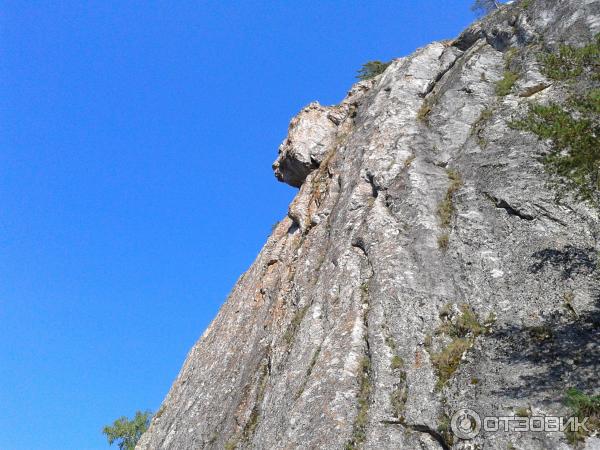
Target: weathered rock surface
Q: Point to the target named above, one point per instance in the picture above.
(327, 341)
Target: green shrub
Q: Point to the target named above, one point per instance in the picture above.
(397, 362)
(583, 406)
(398, 398)
(372, 69)
(443, 241)
(445, 430)
(446, 206)
(523, 412)
(481, 7)
(477, 127)
(463, 330)
(570, 62)
(231, 445)
(465, 324)
(447, 361)
(127, 432)
(446, 311)
(424, 111)
(428, 342)
(575, 135)
(541, 333)
(573, 127)
(509, 56)
(504, 86)
(390, 342)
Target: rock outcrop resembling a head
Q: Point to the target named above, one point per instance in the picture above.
(311, 134)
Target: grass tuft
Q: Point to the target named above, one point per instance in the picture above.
(463, 330)
(505, 85)
(359, 433)
(582, 406)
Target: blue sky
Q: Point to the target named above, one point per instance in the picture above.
(136, 139)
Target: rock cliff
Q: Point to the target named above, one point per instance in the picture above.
(426, 264)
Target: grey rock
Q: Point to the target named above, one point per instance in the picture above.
(327, 340)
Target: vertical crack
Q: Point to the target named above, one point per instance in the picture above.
(359, 431)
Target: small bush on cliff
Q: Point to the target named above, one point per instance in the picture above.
(372, 69)
(570, 62)
(575, 134)
(446, 206)
(484, 6)
(504, 86)
(583, 406)
(573, 126)
(127, 432)
(463, 329)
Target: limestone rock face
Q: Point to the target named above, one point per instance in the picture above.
(343, 333)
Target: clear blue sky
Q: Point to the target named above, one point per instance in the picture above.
(136, 139)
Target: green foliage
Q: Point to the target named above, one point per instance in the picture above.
(424, 111)
(443, 241)
(445, 430)
(398, 399)
(446, 311)
(541, 333)
(390, 342)
(583, 406)
(372, 69)
(465, 324)
(230, 445)
(360, 423)
(477, 128)
(525, 4)
(484, 6)
(573, 127)
(575, 135)
(447, 361)
(309, 370)
(364, 287)
(446, 206)
(509, 56)
(463, 330)
(485, 115)
(397, 362)
(505, 85)
(571, 62)
(127, 432)
(428, 341)
(254, 418)
(291, 331)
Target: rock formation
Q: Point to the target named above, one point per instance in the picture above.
(425, 265)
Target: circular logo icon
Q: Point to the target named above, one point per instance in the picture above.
(465, 424)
